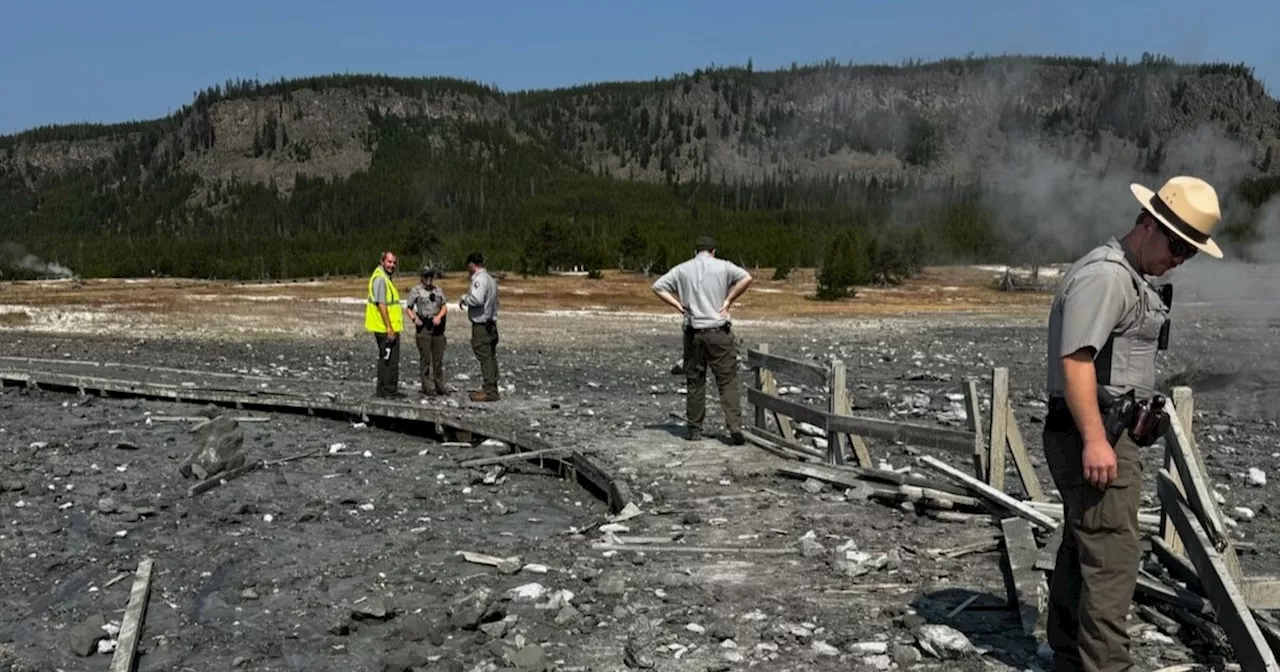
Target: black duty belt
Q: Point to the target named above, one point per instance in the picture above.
(699, 330)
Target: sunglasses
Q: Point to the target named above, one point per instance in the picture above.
(1177, 246)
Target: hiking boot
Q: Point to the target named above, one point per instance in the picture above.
(484, 396)
(737, 438)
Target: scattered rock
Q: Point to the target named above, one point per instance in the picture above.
(904, 655)
(371, 609)
(404, 660)
(943, 641)
(219, 444)
(83, 639)
(470, 610)
(530, 657)
(823, 649)
(1257, 477)
(813, 485)
(611, 583)
(529, 592)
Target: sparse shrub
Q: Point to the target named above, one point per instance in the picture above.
(845, 265)
(782, 272)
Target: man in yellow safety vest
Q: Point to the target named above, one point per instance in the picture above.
(385, 324)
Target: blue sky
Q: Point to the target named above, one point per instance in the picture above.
(82, 60)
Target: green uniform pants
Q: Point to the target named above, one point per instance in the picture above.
(388, 367)
(1096, 570)
(484, 343)
(714, 349)
(431, 360)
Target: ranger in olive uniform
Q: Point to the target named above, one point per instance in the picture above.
(426, 307)
(481, 304)
(703, 289)
(382, 318)
(1106, 324)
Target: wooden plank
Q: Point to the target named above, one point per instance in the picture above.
(799, 371)
(1021, 459)
(769, 386)
(918, 490)
(886, 476)
(1049, 554)
(791, 409)
(761, 374)
(1027, 589)
(1251, 649)
(1183, 405)
(999, 419)
(837, 442)
(1152, 588)
(134, 617)
(780, 446)
(218, 479)
(859, 444)
(835, 402)
(364, 408)
(1195, 484)
(924, 436)
(990, 493)
(1261, 592)
(978, 441)
(1178, 566)
(646, 548)
(514, 457)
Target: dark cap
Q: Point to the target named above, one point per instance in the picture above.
(705, 243)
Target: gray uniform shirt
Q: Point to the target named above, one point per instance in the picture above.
(482, 298)
(701, 283)
(425, 302)
(380, 288)
(1105, 304)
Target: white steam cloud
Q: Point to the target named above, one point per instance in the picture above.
(15, 257)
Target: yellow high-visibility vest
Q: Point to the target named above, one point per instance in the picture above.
(372, 318)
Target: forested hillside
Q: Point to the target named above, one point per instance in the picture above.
(998, 159)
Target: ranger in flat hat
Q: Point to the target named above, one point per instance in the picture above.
(1106, 324)
(703, 289)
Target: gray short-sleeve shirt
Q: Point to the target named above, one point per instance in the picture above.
(701, 283)
(1096, 300)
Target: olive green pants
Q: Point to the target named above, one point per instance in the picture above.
(714, 349)
(1096, 570)
(484, 343)
(431, 360)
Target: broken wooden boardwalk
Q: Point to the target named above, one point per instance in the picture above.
(334, 399)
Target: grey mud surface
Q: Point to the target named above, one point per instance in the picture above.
(234, 591)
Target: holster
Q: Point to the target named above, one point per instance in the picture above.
(1146, 420)
(1117, 413)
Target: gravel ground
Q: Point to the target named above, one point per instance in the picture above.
(233, 589)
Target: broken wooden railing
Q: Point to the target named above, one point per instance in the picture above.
(845, 434)
(1190, 540)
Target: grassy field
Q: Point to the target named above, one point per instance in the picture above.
(938, 289)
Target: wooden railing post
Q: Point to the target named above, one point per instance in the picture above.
(999, 420)
(973, 411)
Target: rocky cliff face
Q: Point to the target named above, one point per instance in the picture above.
(953, 121)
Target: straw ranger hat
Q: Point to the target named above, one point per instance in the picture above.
(1188, 206)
